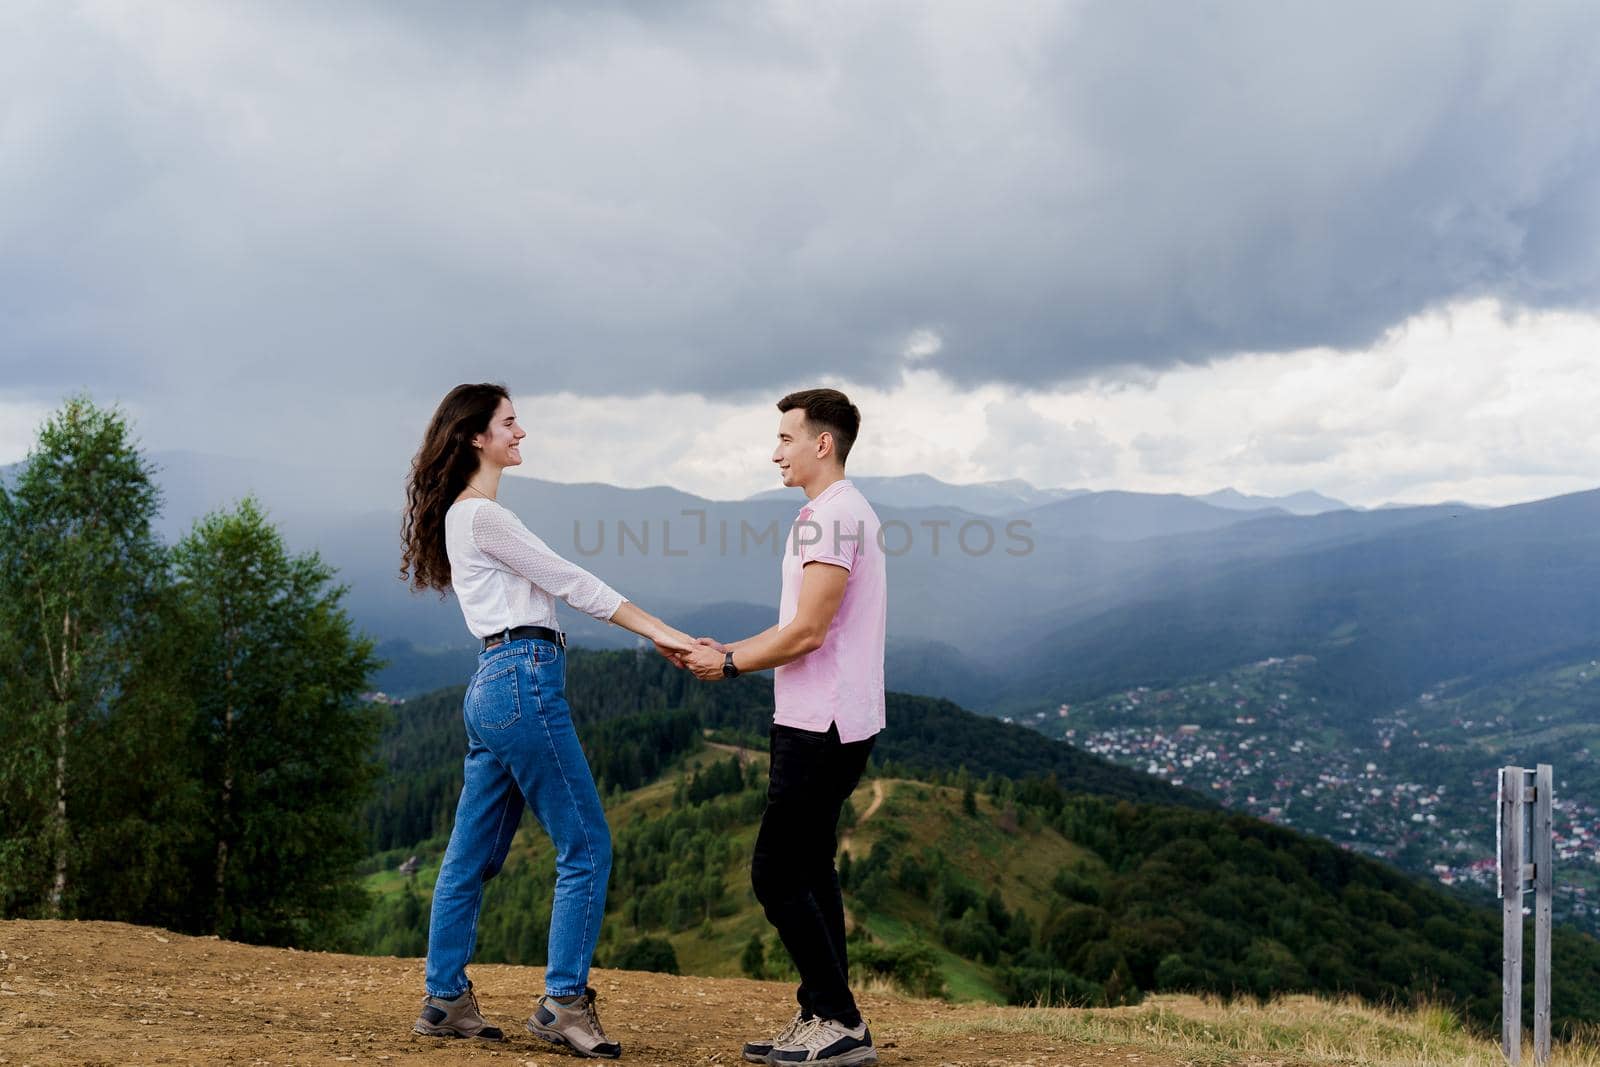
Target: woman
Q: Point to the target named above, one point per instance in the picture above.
(520, 742)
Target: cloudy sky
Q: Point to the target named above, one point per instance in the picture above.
(1349, 247)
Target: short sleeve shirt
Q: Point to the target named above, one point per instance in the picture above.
(840, 683)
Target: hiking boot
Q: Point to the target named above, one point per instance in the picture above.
(574, 1025)
(826, 1042)
(756, 1051)
(455, 1018)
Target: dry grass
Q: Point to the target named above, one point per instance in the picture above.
(1302, 1031)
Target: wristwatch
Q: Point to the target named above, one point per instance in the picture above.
(728, 669)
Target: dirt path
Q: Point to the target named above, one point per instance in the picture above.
(877, 800)
(847, 842)
(106, 993)
(878, 793)
(735, 750)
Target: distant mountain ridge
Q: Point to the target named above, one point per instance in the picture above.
(684, 556)
(1014, 496)
(1094, 591)
(924, 490)
(1386, 615)
(1118, 516)
(1302, 503)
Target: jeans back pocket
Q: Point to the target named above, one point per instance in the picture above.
(496, 700)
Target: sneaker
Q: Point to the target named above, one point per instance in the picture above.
(574, 1025)
(756, 1051)
(826, 1041)
(455, 1018)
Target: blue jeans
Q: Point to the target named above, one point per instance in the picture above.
(521, 746)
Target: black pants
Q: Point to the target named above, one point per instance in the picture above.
(792, 871)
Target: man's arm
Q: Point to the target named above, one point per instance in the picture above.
(763, 635)
(821, 593)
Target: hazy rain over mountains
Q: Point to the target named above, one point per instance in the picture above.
(283, 231)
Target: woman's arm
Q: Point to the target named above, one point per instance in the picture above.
(668, 639)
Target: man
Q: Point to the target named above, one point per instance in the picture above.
(827, 649)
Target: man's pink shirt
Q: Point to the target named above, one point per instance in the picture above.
(841, 682)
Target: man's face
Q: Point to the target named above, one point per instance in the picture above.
(498, 444)
(796, 454)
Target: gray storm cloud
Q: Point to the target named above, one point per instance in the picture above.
(197, 200)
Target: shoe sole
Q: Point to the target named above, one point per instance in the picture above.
(751, 1057)
(853, 1058)
(556, 1039)
(437, 1031)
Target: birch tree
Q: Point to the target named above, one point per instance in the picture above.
(80, 569)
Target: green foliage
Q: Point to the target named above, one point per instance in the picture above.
(971, 937)
(515, 926)
(423, 744)
(1049, 987)
(1073, 886)
(671, 871)
(1229, 905)
(1157, 896)
(847, 816)
(647, 954)
(928, 735)
(780, 965)
(81, 578)
(870, 880)
(421, 747)
(285, 743)
(627, 754)
(669, 875)
(912, 965)
(913, 877)
(955, 895)
(396, 927)
(718, 780)
(636, 715)
(185, 743)
(1177, 974)
(753, 961)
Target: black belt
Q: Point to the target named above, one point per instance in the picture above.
(525, 633)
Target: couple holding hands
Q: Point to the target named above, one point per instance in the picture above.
(826, 651)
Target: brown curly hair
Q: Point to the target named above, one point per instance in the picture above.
(439, 472)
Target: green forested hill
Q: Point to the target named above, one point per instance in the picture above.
(423, 743)
(1410, 783)
(979, 875)
(1020, 893)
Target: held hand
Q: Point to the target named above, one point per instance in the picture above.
(711, 642)
(672, 644)
(704, 662)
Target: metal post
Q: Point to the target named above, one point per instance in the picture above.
(1544, 891)
(1511, 909)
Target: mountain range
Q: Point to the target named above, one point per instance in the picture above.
(1064, 595)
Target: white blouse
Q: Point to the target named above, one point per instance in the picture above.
(504, 575)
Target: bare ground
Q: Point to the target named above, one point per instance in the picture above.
(108, 993)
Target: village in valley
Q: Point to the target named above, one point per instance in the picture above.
(1414, 786)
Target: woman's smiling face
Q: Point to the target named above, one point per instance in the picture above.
(499, 444)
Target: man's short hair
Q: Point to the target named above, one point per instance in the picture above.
(827, 409)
